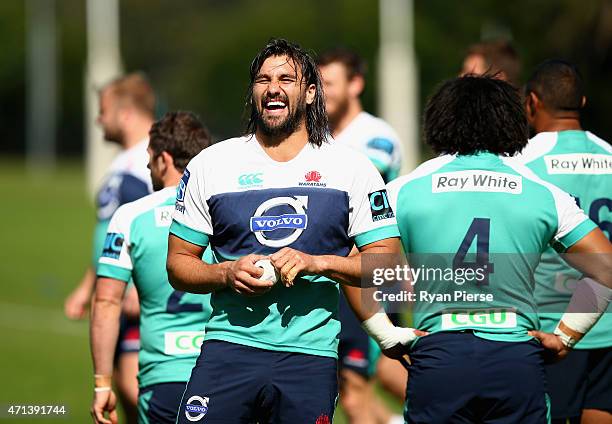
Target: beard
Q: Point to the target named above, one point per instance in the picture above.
(113, 135)
(157, 183)
(341, 110)
(287, 125)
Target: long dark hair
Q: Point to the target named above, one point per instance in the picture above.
(316, 118)
(474, 114)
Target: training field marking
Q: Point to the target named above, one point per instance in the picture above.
(16, 316)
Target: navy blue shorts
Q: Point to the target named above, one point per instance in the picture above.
(129, 336)
(583, 380)
(233, 383)
(356, 351)
(456, 377)
(159, 403)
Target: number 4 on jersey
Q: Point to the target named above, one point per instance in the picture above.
(479, 230)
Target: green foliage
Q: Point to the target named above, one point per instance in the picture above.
(197, 52)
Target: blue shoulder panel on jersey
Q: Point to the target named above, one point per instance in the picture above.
(132, 188)
(188, 234)
(377, 234)
(383, 144)
(574, 236)
(114, 272)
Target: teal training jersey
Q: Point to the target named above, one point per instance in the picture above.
(581, 164)
(237, 200)
(171, 322)
(474, 227)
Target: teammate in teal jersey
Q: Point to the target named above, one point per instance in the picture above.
(343, 75)
(126, 113)
(580, 163)
(482, 219)
(171, 322)
(286, 194)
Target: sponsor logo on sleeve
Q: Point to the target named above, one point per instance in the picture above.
(196, 407)
(264, 225)
(379, 205)
(383, 144)
(180, 192)
(579, 163)
(112, 245)
(476, 181)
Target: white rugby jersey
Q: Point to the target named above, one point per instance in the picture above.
(377, 140)
(126, 180)
(234, 197)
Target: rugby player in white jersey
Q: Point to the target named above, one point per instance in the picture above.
(343, 74)
(284, 193)
(127, 106)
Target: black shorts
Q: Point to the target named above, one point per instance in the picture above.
(159, 403)
(583, 380)
(233, 383)
(457, 377)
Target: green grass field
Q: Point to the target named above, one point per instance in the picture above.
(45, 248)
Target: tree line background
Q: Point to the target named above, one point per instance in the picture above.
(197, 52)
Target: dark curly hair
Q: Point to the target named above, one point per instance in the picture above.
(316, 119)
(181, 134)
(472, 114)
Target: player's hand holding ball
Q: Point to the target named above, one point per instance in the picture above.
(244, 276)
(291, 262)
(269, 272)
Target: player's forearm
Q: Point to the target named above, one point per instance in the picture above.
(361, 301)
(592, 255)
(88, 281)
(104, 332)
(588, 303)
(348, 270)
(344, 270)
(189, 274)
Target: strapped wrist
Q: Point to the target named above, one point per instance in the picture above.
(102, 381)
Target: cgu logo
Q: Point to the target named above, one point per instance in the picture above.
(490, 318)
(269, 223)
(314, 176)
(183, 342)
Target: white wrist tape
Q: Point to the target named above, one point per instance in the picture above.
(102, 389)
(589, 301)
(385, 333)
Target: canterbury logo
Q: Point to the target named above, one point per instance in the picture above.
(250, 179)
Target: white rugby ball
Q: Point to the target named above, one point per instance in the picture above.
(269, 272)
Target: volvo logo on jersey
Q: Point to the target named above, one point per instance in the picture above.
(280, 221)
